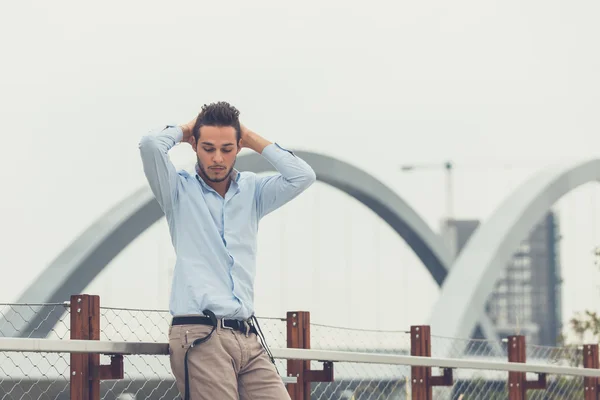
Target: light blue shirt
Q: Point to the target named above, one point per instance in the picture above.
(215, 238)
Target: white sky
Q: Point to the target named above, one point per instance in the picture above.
(376, 84)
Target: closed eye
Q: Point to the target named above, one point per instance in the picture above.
(211, 149)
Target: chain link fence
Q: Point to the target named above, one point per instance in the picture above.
(492, 385)
(34, 375)
(358, 381)
(145, 376)
(470, 384)
(39, 375)
(27, 320)
(558, 387)
(467, 348)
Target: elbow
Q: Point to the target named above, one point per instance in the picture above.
(302, 181)
(151, 146)
(147, 148)
(146, 142)
(311, 177)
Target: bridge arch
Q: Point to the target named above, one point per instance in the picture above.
(93, 250)
(478, 267)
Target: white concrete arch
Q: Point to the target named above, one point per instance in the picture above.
(478, 267)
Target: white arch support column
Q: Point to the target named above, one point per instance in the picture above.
(481, 262)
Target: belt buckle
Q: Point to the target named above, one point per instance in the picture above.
(223, 324)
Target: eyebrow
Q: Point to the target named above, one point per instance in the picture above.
(212, 145)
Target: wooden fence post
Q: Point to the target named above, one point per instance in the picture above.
(422, 382)
(86, 371)
(517, 381)
(82, 309)
(298, 337)
(590, 360)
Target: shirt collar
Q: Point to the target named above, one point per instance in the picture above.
(235, 175)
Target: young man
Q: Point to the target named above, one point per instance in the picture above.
(213, 216)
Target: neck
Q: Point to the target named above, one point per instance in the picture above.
(219, 187)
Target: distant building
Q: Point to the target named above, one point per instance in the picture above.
(527, 297)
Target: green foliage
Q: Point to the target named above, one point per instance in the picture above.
(587, 325)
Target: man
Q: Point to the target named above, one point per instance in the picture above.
(213, 216)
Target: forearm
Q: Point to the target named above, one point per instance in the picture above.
(295, 176)
(160, 141)
(293, 170)
(254, 141)
(186, 131)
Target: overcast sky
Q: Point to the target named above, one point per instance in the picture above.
(376, 84)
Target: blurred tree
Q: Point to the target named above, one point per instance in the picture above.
(586, 325)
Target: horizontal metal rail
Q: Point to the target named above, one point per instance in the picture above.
(151, 348)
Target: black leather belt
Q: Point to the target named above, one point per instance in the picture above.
(234, 324)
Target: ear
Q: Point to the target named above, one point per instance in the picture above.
(193, 143)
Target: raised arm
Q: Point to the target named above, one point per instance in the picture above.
(294, 177)
(158, 168)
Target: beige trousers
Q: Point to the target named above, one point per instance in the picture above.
(229, 366)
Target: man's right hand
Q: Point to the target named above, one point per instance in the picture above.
(187, 129)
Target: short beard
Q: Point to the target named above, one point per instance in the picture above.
(207, 177)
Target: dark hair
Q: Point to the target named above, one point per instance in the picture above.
(218, 114)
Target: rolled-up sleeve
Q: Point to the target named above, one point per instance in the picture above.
(294, 177)
(158, 168)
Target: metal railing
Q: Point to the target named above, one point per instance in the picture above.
(46, 347)
(317, 361)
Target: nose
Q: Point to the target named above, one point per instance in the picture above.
(218, 157)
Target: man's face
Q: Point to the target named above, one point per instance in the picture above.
(217, 151)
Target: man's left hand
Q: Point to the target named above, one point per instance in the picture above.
(252, 140)
(244, 136)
